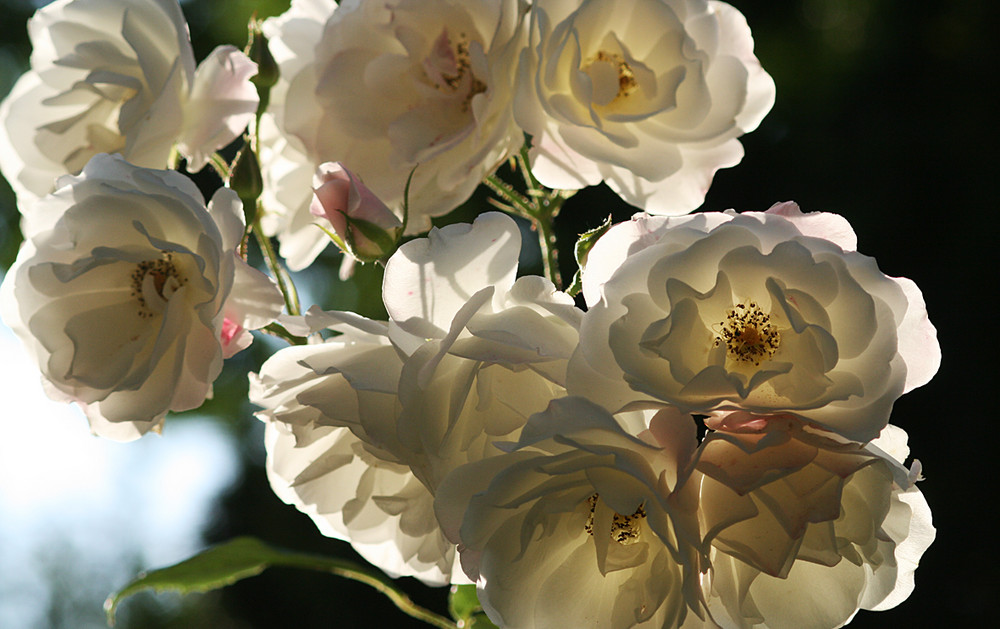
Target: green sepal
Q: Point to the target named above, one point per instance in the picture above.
(581, 250)
(384, 241)
(464, 607)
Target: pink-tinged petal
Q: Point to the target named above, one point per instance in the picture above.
(366, 227)
(825, 225)
(430, 279)
(221, 104)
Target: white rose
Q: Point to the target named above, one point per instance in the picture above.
(134, 296)
(467, 355)
(382, 87)
(321, 460)
(576, 526)
(648, 96)
(118, 76)
(804, 530)
(768, 312)
(496, 349)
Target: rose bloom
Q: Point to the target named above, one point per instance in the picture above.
(576, 526)
(321, 460)
(767, 312)
(134, 296)
(648, 96)
(382, 87)
(362, 427)
(118, 76)
(493, 350)
(803, 529)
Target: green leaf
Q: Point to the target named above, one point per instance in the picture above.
(244, 557)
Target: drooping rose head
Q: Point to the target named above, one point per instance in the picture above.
(364, 224)
(316, 404)
(385, 86)
(118, 76)
(802, 529)
(134, 296)
(768, 313)
(648, 96)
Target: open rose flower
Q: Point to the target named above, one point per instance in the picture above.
(134, 296)
(118, 76)
(362, 428)
(648, 96)
(766, 312)
(575, 525)
(367, 229)
(495, 348)
(321, 459)
(803, 530)
(382, 87)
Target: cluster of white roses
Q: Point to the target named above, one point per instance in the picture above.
(557, 450)
(707, 444)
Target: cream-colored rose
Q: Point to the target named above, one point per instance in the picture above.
(767, 312)
(380, 414)
(382, 87)
(802, 529)
(134, 296)
(496, 348)
(321, 459)
(118, 76)
(575, 526)
(648, 96)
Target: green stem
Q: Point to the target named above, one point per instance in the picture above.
(540, 206)
(547, 242)
(220, 165)
(285, 284)
(521, 205)
(524, 162)
(398, 598)
(546, 206)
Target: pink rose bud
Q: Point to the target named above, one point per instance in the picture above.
(364, 226)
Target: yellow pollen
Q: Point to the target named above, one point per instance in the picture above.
(624, 528)
(161, 270)
(626, 77)
(748, 334)
(448, 67)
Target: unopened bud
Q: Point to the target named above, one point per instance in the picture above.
(367, 228)
(245, 179)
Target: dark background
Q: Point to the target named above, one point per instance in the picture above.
(886, 113)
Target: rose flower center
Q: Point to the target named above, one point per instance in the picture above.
(748, 334)
(624, 528)
(448, 69)
(153, 282)
(612, 77)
